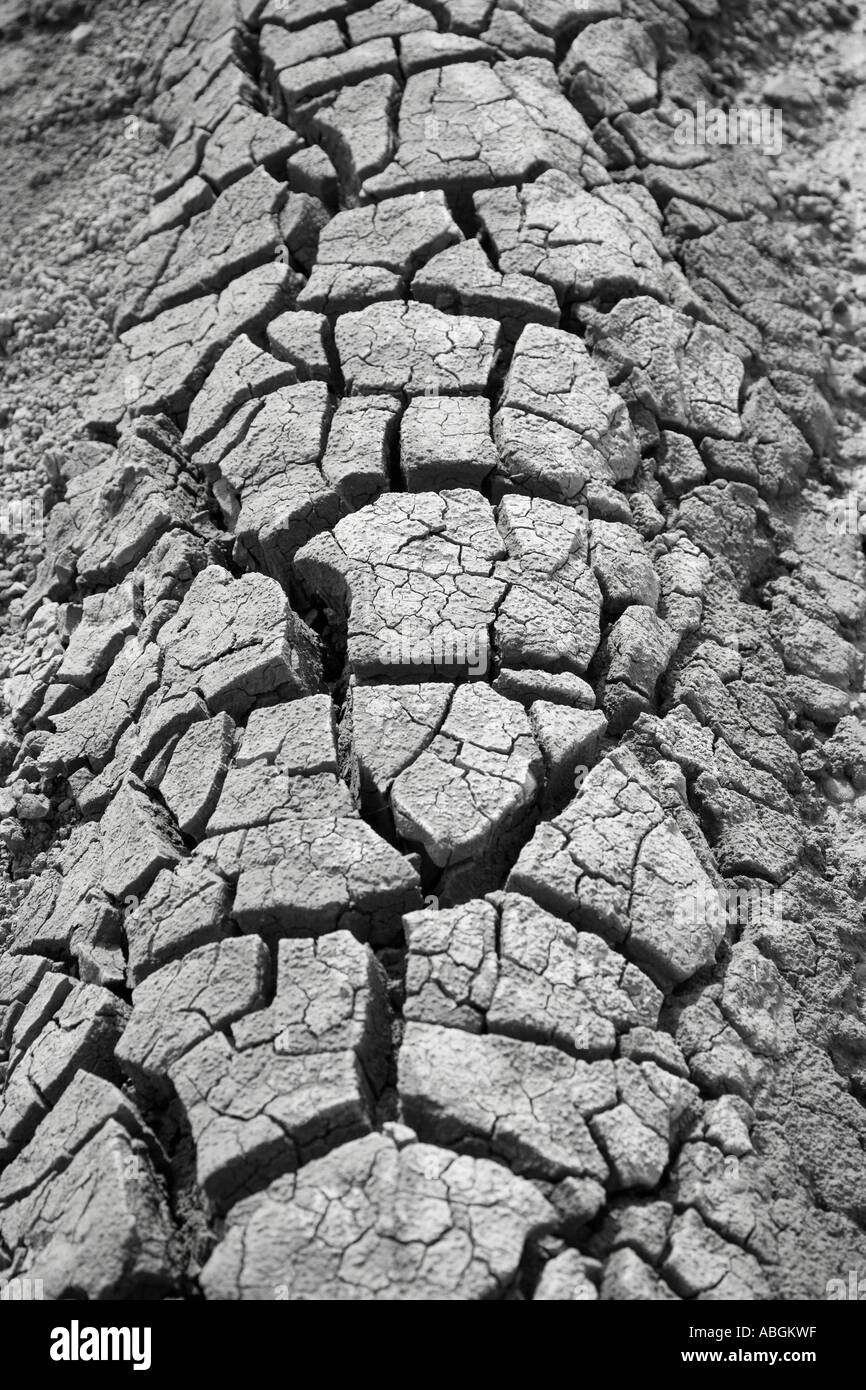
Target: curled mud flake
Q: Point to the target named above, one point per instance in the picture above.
(460, 1229)
(504, 965)
(416, 349)
(414, 579)
(529, 1105)
(445, 443)
(292, 1081)
(613, 862)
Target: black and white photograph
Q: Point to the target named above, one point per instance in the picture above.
(432, 670)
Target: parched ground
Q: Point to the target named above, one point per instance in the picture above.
(444, 655)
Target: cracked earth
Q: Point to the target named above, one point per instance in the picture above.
(443, 655)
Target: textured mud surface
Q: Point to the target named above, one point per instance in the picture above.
(433, 743)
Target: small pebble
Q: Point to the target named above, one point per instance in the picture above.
(80, 37)
(33, 806)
